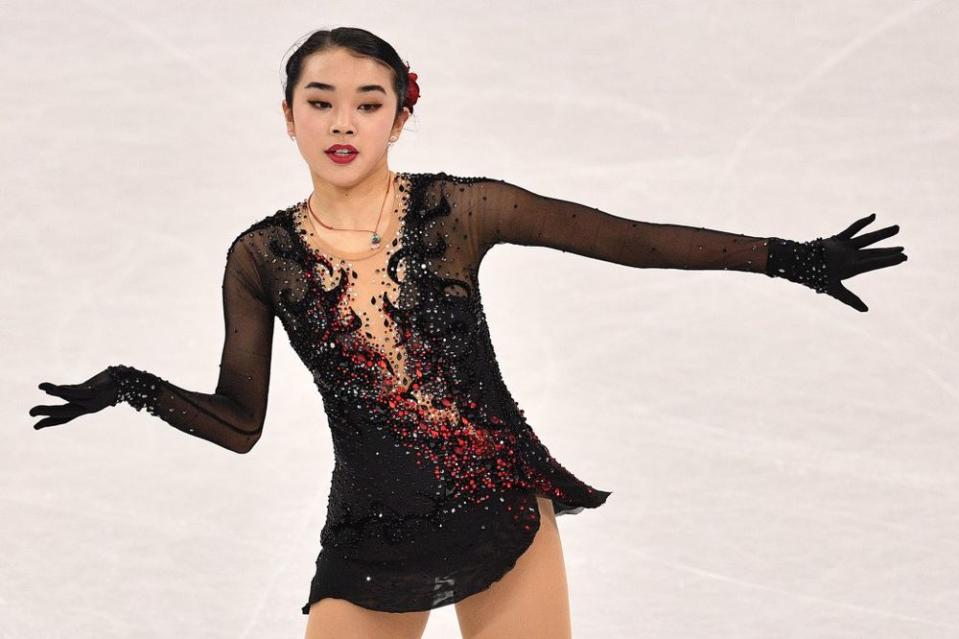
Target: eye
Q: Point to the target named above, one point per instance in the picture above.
(374, 105)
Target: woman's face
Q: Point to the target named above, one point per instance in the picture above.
(358, 110)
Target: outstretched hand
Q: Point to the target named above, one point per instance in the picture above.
(91, 396)
(846, 258)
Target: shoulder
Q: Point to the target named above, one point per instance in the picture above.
(446, 179)
(259, 232)
(432, 189)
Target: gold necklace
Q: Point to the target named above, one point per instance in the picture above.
(375, 238)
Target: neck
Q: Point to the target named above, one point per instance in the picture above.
(355, 205)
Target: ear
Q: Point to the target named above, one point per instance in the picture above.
(400, 121)
(287, 116)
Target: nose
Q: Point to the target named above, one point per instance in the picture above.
(341, 123)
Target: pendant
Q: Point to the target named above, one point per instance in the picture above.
(375, 240)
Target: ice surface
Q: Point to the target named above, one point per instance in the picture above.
(782, 465)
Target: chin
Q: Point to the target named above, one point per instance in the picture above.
(345, 175)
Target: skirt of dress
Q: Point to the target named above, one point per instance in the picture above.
(437, 566)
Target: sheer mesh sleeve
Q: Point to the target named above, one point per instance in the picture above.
(233, 415)
(506, 213)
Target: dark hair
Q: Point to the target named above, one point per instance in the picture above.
(360, 42)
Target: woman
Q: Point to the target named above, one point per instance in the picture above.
(441, 492)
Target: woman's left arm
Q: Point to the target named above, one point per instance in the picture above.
(511, 214)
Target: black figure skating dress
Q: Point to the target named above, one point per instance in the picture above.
(433, 491)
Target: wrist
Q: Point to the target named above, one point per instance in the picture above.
(800, 262)
(138, 388)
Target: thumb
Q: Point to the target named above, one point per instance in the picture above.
(846, 296)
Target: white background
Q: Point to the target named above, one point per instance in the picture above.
(781, 464)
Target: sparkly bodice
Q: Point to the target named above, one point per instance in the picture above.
(436, 467)
(360, 289)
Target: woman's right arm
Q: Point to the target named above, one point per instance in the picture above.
(233, 415)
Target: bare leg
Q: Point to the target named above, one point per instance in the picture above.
(532, 600)
(332, 618)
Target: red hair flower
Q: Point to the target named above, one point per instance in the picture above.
(412, 89)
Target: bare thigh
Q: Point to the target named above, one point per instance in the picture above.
(532, 600)
(332, 618)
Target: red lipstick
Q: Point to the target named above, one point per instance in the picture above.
(347, 153)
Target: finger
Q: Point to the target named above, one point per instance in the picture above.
(856, 226)
(76, 393)
(879, 252)
(57, 415)
(39, 410)
(875, 236)
(60, 410)
(51, 421)
(846, 296)
(872, 263)
(52, 389)
(69, 392)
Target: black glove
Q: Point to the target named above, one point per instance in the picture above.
(91, 396)
(821, 264)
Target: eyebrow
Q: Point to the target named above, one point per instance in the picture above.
(366, 88)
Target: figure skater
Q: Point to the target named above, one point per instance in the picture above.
(441, 491)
